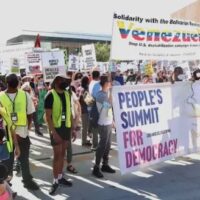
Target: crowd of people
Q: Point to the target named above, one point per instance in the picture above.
(71, 104)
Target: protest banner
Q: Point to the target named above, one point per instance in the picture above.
(155, 123)
(34, 63)
(89, 56)
(74, 63)
(15, 66)
(187, 71)
(138, 38)
(103, 66)
(14, 51)
(53, 63)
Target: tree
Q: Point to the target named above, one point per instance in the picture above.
(102, 52)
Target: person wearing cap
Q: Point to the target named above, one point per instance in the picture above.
(19, 106)
(59, 119)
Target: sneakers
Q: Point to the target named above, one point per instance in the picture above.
(96, 172)
(65, 182)
(31, 185)
(108, 169)
(38, 133)
(53, 189)
(55, 185)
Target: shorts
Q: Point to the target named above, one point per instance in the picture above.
(63, 132)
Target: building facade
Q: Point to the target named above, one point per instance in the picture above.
(72, 42)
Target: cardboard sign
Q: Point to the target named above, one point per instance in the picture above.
(34, 63)
(89, 56)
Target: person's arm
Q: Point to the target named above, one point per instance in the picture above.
(30, 110)
(48, 114)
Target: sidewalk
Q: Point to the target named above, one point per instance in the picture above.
(172, 180)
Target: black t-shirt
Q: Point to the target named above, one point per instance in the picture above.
(48, 103)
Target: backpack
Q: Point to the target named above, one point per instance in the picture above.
(94, 115)
(87, 98)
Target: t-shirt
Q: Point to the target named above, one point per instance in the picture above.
(22, 131)
(94, 88)
(104, 108)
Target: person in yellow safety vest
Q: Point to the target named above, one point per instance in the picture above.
(19, 107)
(11, 140)
(59, 118)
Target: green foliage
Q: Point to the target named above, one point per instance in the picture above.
(102, 52)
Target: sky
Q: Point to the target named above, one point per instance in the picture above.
(86, 16)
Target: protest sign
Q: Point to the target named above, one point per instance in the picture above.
(156, 123)
(74, 63)
(89, 56)
(34, 63)
(103, 66)
(14, 51)
(15, 67)
(138, 38)
(53, 63)
(187, 71)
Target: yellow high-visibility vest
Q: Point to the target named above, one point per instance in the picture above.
(18, 106)
(57, 110)
(7, 122)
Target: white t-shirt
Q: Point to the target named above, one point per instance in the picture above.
(22, 131)
(104, 108)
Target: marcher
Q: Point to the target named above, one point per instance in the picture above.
(8, 142)
(94, 88)
(105, 122)
(20, 108)
(84, 110)
(27, 88)
(59, 118)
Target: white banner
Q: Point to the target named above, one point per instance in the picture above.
(53, 63)
(89, 56)
(103, 66)
(138, 38)
(74, 63)
(15, 66)
(156, 122)
(34, 63)
(14, 51)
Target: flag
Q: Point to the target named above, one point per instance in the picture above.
(37, 42)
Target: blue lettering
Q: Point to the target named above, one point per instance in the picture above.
(139, 117)
(159, 94)
(128, 100)
(123, 118)
(141, 97)
(146, 99)
(151, 95)
(134, 99)
(121, 99)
